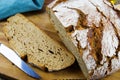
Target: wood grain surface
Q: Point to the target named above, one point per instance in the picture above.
(41, 19)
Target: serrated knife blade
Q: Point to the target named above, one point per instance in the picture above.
(15, 59)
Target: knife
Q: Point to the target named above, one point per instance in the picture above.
(15, 59)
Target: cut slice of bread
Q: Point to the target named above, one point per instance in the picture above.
(41, 50)
(90, 29)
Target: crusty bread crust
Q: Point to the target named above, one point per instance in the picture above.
(31, 42)
(91, 31)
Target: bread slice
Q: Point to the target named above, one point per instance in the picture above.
(90, 29)
(41, 50)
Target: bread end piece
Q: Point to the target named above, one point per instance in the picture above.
(31, 42)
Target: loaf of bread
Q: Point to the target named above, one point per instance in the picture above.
(31, 42)
(90, 29)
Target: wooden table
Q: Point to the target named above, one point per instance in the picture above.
(41, 19)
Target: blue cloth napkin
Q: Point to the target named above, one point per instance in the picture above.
(11, 7)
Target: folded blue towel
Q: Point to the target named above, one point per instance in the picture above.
(11, 7)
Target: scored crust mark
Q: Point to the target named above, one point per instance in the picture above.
(109, 60)
(118, 49)
(94, 38)
(108, 3)
(70, 29)
(97, 8)
(58, 2)
(97, 40)
(81, 24)
(109, 63)
(91, 41)
(55, 11)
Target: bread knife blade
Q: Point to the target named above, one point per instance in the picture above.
(15, 59)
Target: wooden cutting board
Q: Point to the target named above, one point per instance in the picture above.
(41, 19)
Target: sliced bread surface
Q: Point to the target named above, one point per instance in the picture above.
(90, 29)
(31, 42)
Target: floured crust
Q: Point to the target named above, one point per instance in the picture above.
(90, 28)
